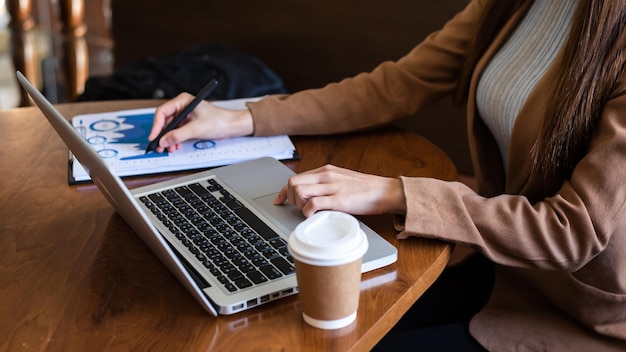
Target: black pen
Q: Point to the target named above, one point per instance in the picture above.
(203, 94)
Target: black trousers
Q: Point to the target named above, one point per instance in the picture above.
(439, 320)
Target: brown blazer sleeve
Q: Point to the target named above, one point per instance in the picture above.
(583, 223)
(392, 90)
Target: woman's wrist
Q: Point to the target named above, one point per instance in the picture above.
(242, 123)
(397, 197)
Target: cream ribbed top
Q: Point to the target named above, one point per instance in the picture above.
(515, 70)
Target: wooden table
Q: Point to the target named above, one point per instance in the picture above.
(73, 275)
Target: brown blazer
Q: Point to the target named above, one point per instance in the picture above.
(561, 257)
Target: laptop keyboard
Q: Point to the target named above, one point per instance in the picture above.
(230, 241)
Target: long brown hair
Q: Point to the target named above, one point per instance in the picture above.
(593, 62)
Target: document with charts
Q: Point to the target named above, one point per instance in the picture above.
(121, 138)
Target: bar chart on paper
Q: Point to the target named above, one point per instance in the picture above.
(120, 138)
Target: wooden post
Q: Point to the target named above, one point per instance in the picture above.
(74, 46)
(75, 65)
(20, 12)
(23, 52)
(72, 17)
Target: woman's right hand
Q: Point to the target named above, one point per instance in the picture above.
(206, 121)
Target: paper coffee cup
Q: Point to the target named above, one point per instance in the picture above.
(328, 249)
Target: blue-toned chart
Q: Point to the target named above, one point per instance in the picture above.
(120, 138)
(125, 133)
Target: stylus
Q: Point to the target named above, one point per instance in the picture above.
(203, 94)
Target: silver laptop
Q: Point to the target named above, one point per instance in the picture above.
(217, 230)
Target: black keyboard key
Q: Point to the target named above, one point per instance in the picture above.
(198, 189)
(184, 191)
(270, 272)
(186, 242)
(230, 253)
(226, 197)
(235, 204)
(239, 261)
(227, 268)
(254, 222)
(214, 186)
(283, 265)
(259, 261)
(284, 252)
(270, 254)
(215, 271)
(230, 287)
(234, 275)
(262, 247)
(256, 277)
(156, 198)
(225, 247)
(246, 268)
(217, 240)
(278, 242)
(219, 260)
(243, 283)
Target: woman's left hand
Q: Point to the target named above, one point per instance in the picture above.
(333, 188)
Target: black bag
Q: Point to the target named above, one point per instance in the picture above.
(239, 75)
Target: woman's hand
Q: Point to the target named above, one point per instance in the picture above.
(334, 188)
(206, 121)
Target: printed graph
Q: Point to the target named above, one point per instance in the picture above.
(120, 139)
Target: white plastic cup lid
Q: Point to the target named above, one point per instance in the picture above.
(328, 238)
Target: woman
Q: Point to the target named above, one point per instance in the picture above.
(545, 89)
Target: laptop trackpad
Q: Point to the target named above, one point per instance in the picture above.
(285, 216)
